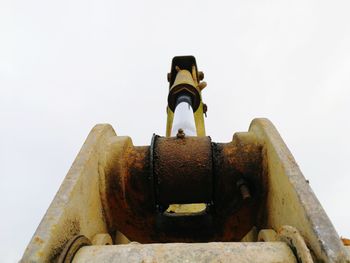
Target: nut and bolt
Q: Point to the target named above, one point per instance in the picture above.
(202, 85)
(200, 75)
(243, 188)
(168, 76)
(205, 109)
(180, 134)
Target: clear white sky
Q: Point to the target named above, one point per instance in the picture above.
(68, 65)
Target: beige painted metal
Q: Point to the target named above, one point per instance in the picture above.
(291, 201)
(272, 252)
(121, 239)
(267, 235)
(291, 236)
(76, 208)
(102, 239)
(251, 236)
(80, 206)
(347, 248)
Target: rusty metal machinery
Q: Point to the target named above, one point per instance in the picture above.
(186, 198)
(186, 171)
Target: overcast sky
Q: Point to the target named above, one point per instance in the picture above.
(68, 65)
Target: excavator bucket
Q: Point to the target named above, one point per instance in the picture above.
(185, 198)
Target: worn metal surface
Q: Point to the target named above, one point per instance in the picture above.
(233, 162)
(291, 201)
(126, 192)
(292, 237)
(135, 198)
(251, 236)
(71, 248)
(109, 189)
(274, 252)
(345, 241)
(102, 239)
(267, 235)
(76, 208)
(183, 170)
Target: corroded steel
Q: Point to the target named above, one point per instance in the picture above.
(187, 170)
(126, 190)
(183, 170)
(345, 241)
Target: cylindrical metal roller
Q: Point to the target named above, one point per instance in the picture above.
(271, 252)
(183, 170)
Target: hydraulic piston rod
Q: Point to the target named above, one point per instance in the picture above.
(185, 107)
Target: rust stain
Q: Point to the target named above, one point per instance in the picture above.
(183, 169)
(345, 241)
(187, 170)
(38, 240)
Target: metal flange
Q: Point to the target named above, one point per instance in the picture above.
(72, 247)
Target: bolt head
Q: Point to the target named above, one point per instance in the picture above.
(169, 77)
(180, 134)
(200, 75)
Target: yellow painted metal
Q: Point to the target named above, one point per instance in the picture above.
(186, 208)
(188, 78)
(169, 122)
(77, 207)
(199, 120)
(102, 239)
